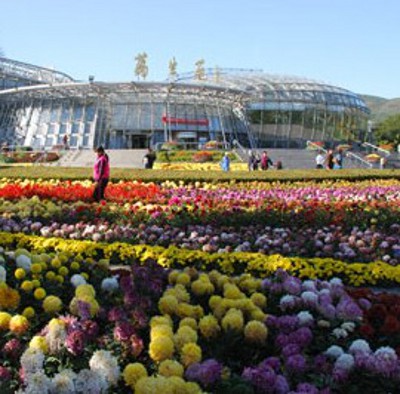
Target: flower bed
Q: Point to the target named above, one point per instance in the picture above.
(219, 287)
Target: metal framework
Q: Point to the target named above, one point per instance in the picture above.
(248, 106)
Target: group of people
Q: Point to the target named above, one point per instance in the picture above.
(332, 160)
(264, 162)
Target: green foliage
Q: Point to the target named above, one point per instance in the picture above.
(389, 130)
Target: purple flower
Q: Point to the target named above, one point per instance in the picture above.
(290, 350)
(328, 311)
(271, 362)
(116, 314)
(12, 348)
(303, 336)
(347, 309)
(84, 309)
(292, 285)
(90, 328)
(75, 342)
(263, 379)
(281, 385)
(287, 323)
(385, 361)
(123, 331)
(296, 364)
(306, 388)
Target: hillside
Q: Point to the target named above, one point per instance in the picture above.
(380, 107)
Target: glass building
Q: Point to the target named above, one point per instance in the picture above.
(38, 107)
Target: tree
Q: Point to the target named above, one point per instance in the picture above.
(172, 69)
(141, 69)
(200, 71)
(388, 131)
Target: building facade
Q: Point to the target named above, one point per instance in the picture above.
(39, 107)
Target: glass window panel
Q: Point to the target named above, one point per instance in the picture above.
(65, 113)
(75, 128)
(89, 115)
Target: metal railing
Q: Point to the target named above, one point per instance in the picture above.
(376, 148)
(353, 156)
(316, 146)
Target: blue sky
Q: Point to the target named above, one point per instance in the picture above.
(353, 44)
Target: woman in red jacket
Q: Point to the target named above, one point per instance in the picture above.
(101, 174)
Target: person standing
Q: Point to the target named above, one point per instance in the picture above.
(319, 160)
(149, 159)
(101, 173)
(329, 160)
(338, 160)
(265, 161)
(225, 162)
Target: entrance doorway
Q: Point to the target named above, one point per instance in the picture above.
(137, 141)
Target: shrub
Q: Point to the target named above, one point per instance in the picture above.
(202, 157)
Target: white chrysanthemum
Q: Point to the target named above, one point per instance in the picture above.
(336, 282)
(309, 285)
(36, 383)
(32, 360)
(90, 382)
(287, 300)
(309, 297)
(62, 384)
(305, 318)
(344, 362)
(348, 326)
(340, 333)
(77, 280)
(386, 352)
(55, 338)
(110, 284)
(105, 364)
(324, 292)
(334, 351)
(3, 274)
(359, 346)
(24, 262)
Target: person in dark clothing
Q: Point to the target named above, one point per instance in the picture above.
(101, 174)
(149, 159)
(265, 161)
(329, 160)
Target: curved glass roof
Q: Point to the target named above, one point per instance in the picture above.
(263, 87)
(16, 69)
(120, 92)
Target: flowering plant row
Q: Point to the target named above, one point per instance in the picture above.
(356, 274)
(72, 326)
(330, 241)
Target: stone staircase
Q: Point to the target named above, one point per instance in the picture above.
(119, 158)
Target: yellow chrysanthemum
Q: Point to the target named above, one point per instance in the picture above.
(183, 279)
(161, 330)
(4, 320)
(160, 320)
(19, 324)
(168, 305)
(56, 263)
(85, 290)
(9, 298)
(55, 323)
(132, 373)
(190, 354)
(28, 312)
(259, 300)
(188, 321)
(255, 332)
(93, 305)
(36, 268)
(63, 271)
(39, 343)
(233, 320)
(36, 283)
(19, 273)
(27, 286)
(209, 327)
(169, 368)
(232, 291)
(161, 348)
(75, 266)
(52, 304)
(172, 277)
(214, 301)
(202, 287)
(183, 336)
(39, 293)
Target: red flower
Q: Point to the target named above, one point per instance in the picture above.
(391, 325)
(367, 330)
